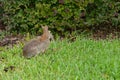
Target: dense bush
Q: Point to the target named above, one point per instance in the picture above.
(60, 15)
(104, 11)
(28, 15)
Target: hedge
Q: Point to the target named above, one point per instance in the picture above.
(61, 15)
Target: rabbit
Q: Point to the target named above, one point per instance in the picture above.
(38, 45)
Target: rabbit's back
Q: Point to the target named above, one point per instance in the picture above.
(35, 47)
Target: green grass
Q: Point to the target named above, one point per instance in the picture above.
(83, 59)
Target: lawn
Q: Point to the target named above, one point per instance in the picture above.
(83, 59)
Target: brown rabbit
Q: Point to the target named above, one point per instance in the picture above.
(38, 45)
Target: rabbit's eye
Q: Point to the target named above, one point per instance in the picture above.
(50, 39)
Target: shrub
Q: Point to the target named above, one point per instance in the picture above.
(104, 11)
(60, 15)
(29, 15)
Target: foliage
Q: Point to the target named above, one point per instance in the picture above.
(104, 11)
(60, 15)
(29, 15)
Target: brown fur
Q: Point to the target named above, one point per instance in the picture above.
(38, 45)
(45, 34)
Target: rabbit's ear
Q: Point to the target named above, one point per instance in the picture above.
(46, 27)
(49, 31)
(42, 27)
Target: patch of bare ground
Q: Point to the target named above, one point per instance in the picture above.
(11, 40)
(105, 33)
